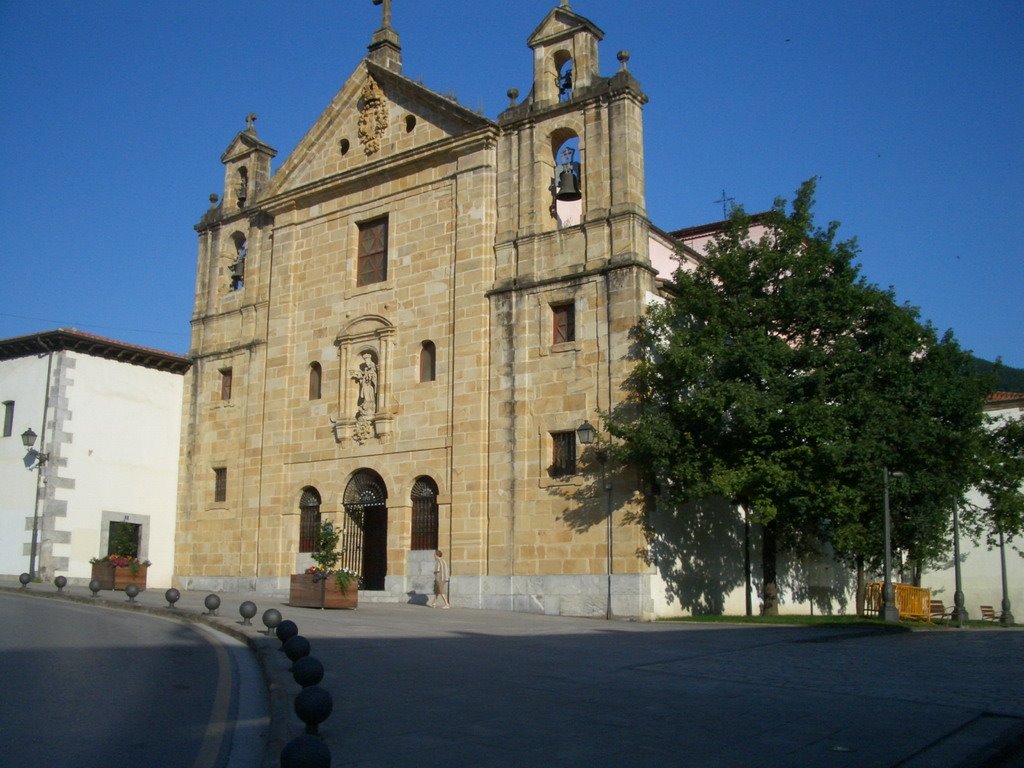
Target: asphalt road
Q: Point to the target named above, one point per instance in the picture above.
(89, 687)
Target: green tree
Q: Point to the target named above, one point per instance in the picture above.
(1001, 485)
(776, 378)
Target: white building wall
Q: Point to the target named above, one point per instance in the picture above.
(22, 381)
(112, 430)
(123, 456)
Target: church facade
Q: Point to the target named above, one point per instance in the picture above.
(402, 328)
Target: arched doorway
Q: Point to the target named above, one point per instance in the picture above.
(365, 538)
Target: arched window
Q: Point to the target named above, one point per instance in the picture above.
(309, 519)
(316, 376)
(564, 79)
(428, 361)
(424, 514)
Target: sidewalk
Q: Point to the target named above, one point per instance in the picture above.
(460, 687)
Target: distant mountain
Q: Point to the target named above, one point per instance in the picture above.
(1007, 379)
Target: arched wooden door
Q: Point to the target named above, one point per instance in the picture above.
(365, 539)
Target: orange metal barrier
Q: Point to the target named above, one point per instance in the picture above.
(912, 602)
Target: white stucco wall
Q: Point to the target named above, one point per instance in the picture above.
(22, 381)
(980, 569)
(113, 432)
(126, 421)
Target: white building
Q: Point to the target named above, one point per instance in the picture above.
(107, 417)
(980, 568)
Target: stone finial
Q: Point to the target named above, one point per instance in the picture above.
(250, 122)
(386, 24)
(214, 197)
(513, 95)
(623, 57)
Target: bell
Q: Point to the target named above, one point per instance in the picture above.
(238, 268)
(568, 185)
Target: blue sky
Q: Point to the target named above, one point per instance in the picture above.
(115, 114)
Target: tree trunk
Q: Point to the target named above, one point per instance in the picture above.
(768, 571)
(861, 586)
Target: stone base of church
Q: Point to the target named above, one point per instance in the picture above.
(585, 596)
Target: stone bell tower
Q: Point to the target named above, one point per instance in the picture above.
(572, 119)
(572, 277)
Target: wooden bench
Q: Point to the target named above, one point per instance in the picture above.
(939, 611)
(989, 614)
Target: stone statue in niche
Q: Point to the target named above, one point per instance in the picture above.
(366, 377)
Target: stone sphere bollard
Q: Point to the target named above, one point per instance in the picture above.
(296, 647)
(212, 603)
(285, 630)
(132, 590)
(24, 579)
(308, 671)
(271, 618)
(313, 705)
(306, 751)
(247, 611)
(172, 596)
(95, 587)
(60, 582)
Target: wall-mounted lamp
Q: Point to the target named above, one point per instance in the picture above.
(28, 439)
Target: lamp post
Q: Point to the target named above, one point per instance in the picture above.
(889, 610)
(28, 439)
(959, 614)
(586, 434)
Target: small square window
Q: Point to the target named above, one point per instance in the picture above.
(563, 454)
(564, 323)
(225, 384)
(372, 266)
(220, 484)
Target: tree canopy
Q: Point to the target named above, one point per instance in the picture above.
(777, 378)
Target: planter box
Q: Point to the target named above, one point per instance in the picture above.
(307, 592)
(113, 577)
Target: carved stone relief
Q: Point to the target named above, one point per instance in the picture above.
(373, 116)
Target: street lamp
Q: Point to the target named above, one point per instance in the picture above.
(959, 614)
(28, 439)
(1006, 619)
(587, 434)
(889, 610)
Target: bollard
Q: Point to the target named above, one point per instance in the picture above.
(313, 705)
(172, 596)
(306, 752)
(212, 603)
(308, 671)
(24, 579)
(132, 591)
(296, 647)
(286, 629)
(95, 587)
(247, 610)
(60, 582)
(271, 618)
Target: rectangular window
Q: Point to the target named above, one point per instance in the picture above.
(372, 264)
(8, 417)
(220, 484)
(563, 454)
(564, 317)
(225, 384)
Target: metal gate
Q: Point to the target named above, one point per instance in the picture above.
(364, 538)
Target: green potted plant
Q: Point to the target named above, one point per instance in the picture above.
(324, 585)
(121, 565)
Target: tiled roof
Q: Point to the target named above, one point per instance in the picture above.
(1005, 400)
(90, 344)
